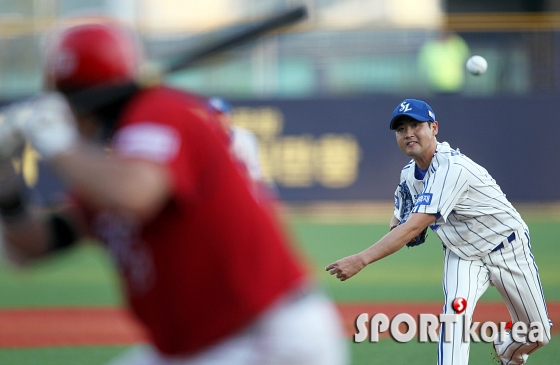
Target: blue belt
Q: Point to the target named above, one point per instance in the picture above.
(501, 245)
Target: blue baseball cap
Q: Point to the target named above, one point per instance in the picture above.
(220, 105)
(415, 109)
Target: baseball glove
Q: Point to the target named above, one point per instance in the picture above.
(406, 208)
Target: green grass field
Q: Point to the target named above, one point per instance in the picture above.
(85, 277)
(412, 274)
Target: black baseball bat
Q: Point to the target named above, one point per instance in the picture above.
(91, 99)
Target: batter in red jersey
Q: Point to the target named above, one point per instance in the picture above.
(205, 267)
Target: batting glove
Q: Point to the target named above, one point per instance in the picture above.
(51, 127)
(47, 121)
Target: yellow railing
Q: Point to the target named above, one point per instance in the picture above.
(472, 22)
(503, 22)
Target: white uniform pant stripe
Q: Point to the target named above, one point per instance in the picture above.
(535, 272)
(513, 272)
(522, 294)
(466, 279)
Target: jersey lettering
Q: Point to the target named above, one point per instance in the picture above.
(424, 199)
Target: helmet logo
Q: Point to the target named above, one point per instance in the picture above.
(65, 63)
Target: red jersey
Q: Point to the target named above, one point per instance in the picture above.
(213, 259)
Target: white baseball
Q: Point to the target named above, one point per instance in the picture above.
(477, 65)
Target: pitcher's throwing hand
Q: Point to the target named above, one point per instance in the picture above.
(347, 267)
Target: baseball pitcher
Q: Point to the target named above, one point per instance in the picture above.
(486, 242)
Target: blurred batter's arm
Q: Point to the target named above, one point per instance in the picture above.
(136, 187)
(34, 235)
(390, 243)
(28, 233)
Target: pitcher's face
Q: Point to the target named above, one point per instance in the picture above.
(417, 139)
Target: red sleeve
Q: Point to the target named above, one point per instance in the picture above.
(171, 128)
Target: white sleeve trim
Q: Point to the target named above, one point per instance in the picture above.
(147, 140)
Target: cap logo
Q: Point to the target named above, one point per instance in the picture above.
(405, 107)
(431, 114)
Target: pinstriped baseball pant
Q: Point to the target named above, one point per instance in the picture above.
(512, 270)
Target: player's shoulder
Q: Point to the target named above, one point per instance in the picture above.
(164, 105)
(408, 166)
(451, 159)
(445, 154)
(242, 133)
(165, 98)
(405, 172)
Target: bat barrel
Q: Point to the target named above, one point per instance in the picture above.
(247, 34)
(91, 99)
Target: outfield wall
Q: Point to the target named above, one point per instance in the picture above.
(515, 138)
(342, 149)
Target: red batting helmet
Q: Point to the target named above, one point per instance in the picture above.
(87, 55)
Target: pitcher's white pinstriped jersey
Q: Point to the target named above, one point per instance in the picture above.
(473, 213)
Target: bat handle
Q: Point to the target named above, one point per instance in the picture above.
(150, 74)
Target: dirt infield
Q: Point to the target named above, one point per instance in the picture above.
(49, 327)
(45, 327)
